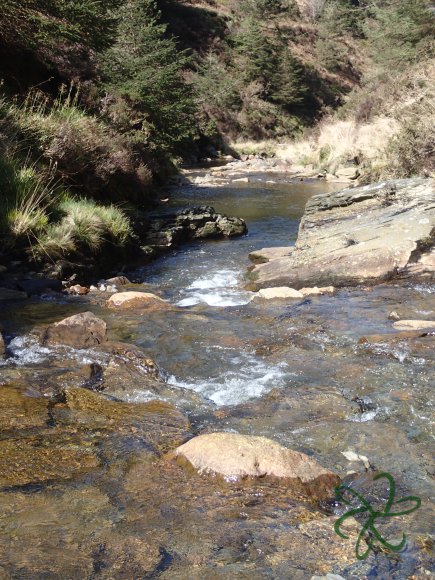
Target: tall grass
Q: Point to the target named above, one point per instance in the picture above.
(36, 211)
(337, 142)
(84, 226)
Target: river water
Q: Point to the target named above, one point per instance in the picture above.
(319, 375)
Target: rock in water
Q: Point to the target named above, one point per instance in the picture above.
(365, 234)
(278, 292)
(82, 330)
(415, 325)
(235, 456)
(137, 300)
(2, 346)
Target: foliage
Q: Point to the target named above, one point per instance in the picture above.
(401, 32)
(84, 226)
(47, 23)
(145, 67)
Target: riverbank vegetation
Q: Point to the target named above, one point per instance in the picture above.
(100, 101)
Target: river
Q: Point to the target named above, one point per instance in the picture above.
(301, 372)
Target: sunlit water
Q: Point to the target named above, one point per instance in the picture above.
(296, 371)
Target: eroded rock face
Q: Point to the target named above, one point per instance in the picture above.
(201, 222)
(235, 456)
(137, 300)
(362, 235)
(79, 331)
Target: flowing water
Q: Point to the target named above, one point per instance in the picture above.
(299, 371)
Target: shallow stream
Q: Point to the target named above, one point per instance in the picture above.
(300, 372)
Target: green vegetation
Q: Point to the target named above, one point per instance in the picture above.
(100, 100)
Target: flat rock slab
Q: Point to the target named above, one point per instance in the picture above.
(362, 235)
(236, 456)
(266, 254)
(125, 300)
(158, 424)
(414, 325)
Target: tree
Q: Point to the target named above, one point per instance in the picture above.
(47, 23)
(287, 88)
(401, 32)
(145, 67)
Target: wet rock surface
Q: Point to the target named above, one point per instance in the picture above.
(200, 222)
(79, 331)
(235, 457)
(357, 236)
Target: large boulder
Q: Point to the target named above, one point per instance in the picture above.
(362, 235)
(82, 330)
(2, 346)
(236, 456)
(125, 300)
(199, 222)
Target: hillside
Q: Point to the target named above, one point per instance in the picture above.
(101, 100)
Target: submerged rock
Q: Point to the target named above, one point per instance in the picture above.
(119, 280)
(365, 234)
(137, 300)
(38, 459)
(79, 331)
(156, 423)
(18, 411)
(235, 456)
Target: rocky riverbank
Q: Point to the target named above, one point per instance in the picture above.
(364, 235)
(248, 168)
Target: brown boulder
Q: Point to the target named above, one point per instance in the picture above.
(236, 456)
(2, 346)
(79, 331)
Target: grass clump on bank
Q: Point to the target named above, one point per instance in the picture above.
(84, 226)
